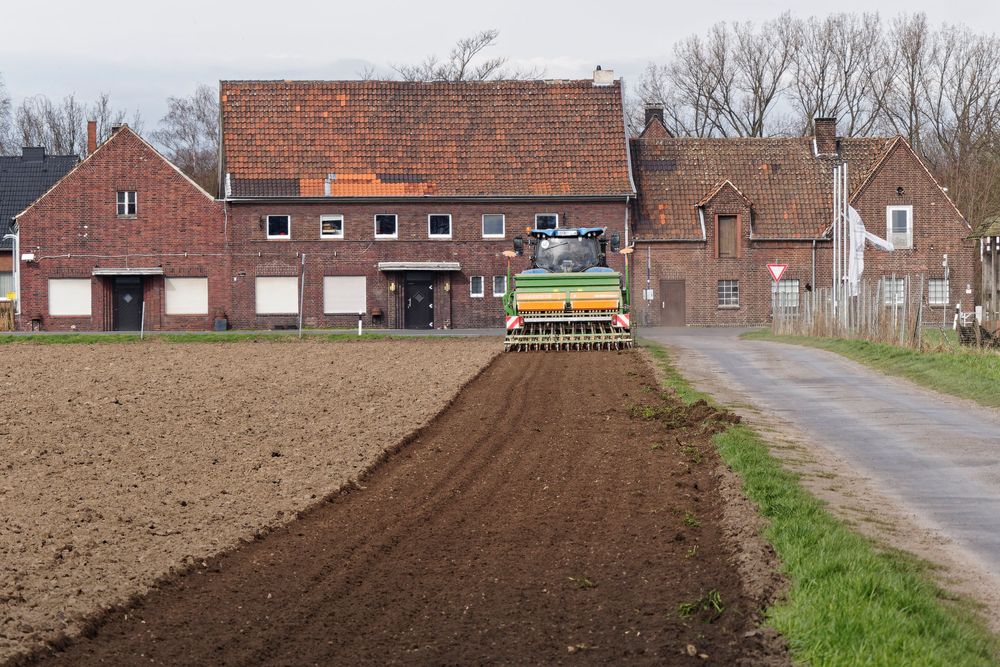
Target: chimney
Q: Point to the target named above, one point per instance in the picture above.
(33, 154)
(91, 136)
(115, 128)
(654, 111)
(825, 136)
(604, 77)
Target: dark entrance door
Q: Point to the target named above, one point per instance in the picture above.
(419, 301)
(672, 303)
(127, 313)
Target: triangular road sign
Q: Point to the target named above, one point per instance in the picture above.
(777, 270)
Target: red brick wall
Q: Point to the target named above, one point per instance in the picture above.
(359, 254)
(75, 228)
(937, 229)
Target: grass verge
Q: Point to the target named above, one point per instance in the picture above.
(851, 602)
(966, 373)
(97, 339)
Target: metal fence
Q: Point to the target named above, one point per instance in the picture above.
(889, 310)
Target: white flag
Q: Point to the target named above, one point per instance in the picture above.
(856, 245)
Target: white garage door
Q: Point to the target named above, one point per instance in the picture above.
(344, 294)
(186, 296)
(69, 296)
(277, 296)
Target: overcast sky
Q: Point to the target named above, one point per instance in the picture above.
(143, 53)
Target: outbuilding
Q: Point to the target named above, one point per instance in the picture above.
(712, 213)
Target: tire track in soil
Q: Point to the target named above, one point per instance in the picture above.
(462, 546)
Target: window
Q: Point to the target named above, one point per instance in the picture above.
(69, 297)
(277, 296)
(899, 226)
(499, 285)
(385, 226)
(729, 294)
(893, 290)
(279, 227)
(937, 292)
(727, 236)
(331, 226)
(345, 294)
(493, 226)
(476, 286)
(788, 295)
(126, 203)
(439, 226)
(186, 296)
(546, 221)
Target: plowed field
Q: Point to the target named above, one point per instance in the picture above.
(120, 463)
(561, 511)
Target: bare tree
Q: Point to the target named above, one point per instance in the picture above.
(908, 52)
(61, 127)
(465, 64)
(728, 83)
(841, 71)
(189, 135)
(107, 117)
(367, 73)
(6, 122)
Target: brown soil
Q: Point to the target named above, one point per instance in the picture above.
(545, 517)
(119, 463)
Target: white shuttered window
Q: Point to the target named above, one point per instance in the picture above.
(344, 294)
(69, 297)
(277, 296)
(186, 296)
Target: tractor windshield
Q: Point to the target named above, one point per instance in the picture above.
(567, 254)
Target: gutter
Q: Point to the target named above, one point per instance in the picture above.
(789, 238)
(638, 240)
(437, 198)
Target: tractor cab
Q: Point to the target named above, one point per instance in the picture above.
(568, 250)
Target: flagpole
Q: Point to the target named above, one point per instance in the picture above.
(836, 234)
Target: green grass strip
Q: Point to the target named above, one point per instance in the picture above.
(963, 372)
(850, 602)
(220, 337)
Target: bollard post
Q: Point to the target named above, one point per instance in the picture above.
(359, 323)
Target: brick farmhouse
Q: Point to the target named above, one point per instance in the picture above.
(713, 213)
(395, 200)
(124, 235)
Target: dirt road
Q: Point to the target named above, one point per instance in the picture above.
(561, 511)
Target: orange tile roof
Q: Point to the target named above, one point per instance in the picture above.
(397, 139)
(789, 189)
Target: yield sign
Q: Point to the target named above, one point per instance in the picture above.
(777, 270)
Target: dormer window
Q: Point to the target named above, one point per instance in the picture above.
(126, 203)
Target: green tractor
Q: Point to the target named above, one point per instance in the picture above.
(569, 299)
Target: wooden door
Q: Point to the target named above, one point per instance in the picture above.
(672, 303)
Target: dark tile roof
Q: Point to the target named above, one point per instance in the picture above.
(789, 188)
(397, 139)
(24, 178)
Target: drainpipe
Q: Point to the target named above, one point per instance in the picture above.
(15, 262)
(814, 265)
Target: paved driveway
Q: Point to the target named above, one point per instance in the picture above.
(939, 456)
